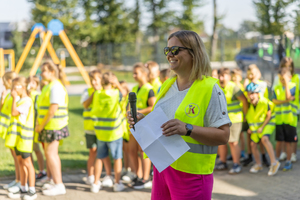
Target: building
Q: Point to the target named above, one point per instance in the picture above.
(5, 35)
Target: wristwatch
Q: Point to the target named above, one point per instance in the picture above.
(189, 129)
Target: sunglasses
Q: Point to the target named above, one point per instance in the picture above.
(174, 50)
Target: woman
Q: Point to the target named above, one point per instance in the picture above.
(196, 107)
(52, 122)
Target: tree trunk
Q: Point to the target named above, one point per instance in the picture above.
(214, 37)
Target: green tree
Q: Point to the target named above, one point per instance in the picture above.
(247, 26)
(297, 20)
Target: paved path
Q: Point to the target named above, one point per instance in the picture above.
(284, 185)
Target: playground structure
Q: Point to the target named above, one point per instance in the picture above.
(11, 60)
(54, 28)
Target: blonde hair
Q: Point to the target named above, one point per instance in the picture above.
(201, 64)
(9, 76)
(57, 68)
(254, 66)
(95, 72)
(151, 64)
(20, 80)
(106, 78)
(33, 78)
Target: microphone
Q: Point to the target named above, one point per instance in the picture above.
(132, 102)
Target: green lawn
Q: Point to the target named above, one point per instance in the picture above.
(73, 152)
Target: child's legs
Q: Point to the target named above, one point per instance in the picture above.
(39, 156)
(280, 139)
(242, 140)
(133, 153)
(223, 152)
(290, 136)
(235, 131)
(118, 169)
(125, 155)
(117, 154)
(23, 171)
(249, 143)
(16, 162)
(146, 164)
(261, 147)
(107, 165)
(235, 151)
(288, 150)
(30, 169)
(255, 153)
(278, 148)
(102, 153)
(267, 144)
(91, 161)
(53, 161)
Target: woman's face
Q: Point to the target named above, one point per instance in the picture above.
(138, 75)
(183, 61)
(47, 74)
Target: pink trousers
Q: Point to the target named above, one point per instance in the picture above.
(172, 184)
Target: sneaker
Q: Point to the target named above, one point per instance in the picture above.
(287, 166)
(294, 157)
(265, 160)
(141, 184)
(107, 181)
(16, 195)
(15, 188)
(229, 157)
(55, 190)
(282, 156)
(11, 184)
(89, 180)
(243, 156)
(48, 185)
(235, 169)
(118, 187)
(274, 168)
(221, 166)
(128, 177)
(247, 161)
(42, 181)
(40, 175)
(30, 195)
(255, 168)
(95, 188)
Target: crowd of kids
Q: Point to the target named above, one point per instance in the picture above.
(29, 118)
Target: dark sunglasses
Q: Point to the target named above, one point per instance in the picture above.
(174, 50)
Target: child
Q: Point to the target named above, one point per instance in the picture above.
(33, 83)
(5, 116)
(91, 140)
(107, 117)
(286, 114)
(145, 102)
(22, 122)
(164, 75)
(214, 73)
(261, 120)
(154, 75)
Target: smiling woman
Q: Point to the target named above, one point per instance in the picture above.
(196, 107)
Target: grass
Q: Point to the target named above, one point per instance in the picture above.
(73, 152)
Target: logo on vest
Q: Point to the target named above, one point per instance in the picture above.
(192, 110)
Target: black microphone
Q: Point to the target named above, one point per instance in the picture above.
(132, 102)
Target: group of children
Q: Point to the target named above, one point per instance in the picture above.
(252, 110)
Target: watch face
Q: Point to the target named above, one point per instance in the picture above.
(189, 126)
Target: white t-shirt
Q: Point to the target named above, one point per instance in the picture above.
(214, 116)
(57, 94)
(24, 109)
(85, 95)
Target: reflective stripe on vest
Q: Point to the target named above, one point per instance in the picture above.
(234, 108)
(285, 113)
(142, 95)
(60, 119)
(106, 115)
(200, 159)
(5, 115)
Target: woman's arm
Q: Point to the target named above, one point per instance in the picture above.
(50, 114)
(151, 102)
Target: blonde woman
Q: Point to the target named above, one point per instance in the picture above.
(196, 107)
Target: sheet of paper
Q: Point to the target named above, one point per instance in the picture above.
(161, 150)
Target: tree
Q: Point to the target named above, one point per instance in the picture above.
(247, 26)
(214, 37)
(297, 20)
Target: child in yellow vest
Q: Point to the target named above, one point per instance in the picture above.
(261, 120)
(154, 75)
(20, 136)
(286, 115)
(107, 118)
(5, 116)
(214, 73)
(91, 140)
(164, 75)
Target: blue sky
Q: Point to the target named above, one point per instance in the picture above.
(235, 12)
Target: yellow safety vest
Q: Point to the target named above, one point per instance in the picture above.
(61, 117)
(256, 117)
(107, 115)
(156, 85)
(123, 104)
(234, 107)
(266, 92)
(88, 123)
(285, 113)
(142, 95)
(200, 159)
(295, 79)
(5, 115)
(20, 135)
(33, 95)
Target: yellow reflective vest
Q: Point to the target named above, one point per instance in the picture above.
(285, 113)
(20, 134)
(61, 117)
(200, 159)
(295, 79)
(107, 115)
(5, 115)
(156, 85)
(123, 104)
(88, 123)
(256, 117)
(142, 95)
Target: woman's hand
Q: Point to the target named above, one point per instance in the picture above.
(130, 120)
(249, 131)
(38, 128)
(174, 126)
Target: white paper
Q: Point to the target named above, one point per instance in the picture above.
(161, 150)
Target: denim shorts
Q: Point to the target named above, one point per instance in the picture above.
(115, 148)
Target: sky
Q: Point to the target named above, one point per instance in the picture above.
(235, 12)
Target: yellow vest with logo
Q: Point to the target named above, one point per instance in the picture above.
(88, 123)
(123, 104)
(200, 159)
(234, 107)
(107, 115)
(295, 79)
(142, 95)
(20, 135)
(156, 85)
(5, 115)
(285, 113)
(256, 117)
(61, 117)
